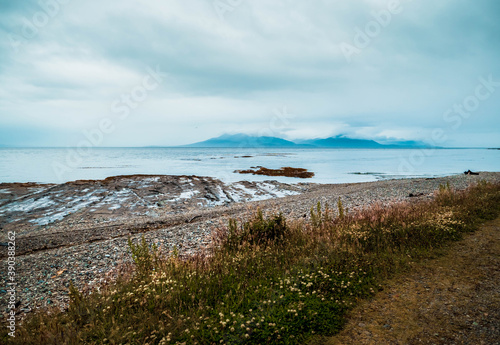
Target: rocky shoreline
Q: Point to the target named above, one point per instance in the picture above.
(75, 232)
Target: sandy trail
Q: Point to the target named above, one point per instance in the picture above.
(453, 299)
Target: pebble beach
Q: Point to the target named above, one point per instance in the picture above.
(77, 232)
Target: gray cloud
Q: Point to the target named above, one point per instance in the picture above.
(229, 75)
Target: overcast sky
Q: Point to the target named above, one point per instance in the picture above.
(136, 73)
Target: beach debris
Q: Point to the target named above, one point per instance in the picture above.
(411, 195)
(468, 172)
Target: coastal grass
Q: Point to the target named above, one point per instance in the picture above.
(268, 280)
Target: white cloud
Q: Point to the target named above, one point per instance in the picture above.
(85, 73)
(230, 75)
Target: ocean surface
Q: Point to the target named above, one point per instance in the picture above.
(58, 165)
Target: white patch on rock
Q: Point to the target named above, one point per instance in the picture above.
(28, 205)
(115, 207)
(185, 195)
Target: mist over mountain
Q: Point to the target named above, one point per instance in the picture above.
(245, 141)
(341, 142)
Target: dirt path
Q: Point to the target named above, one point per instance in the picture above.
(453, 299)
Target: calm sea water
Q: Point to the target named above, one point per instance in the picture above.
(57, 165)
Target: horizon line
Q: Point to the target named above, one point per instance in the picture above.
(188, 146)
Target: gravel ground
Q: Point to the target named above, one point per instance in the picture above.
(89, 257)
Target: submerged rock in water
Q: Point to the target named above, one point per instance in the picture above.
(285, 171)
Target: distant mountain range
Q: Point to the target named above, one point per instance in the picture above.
(243, 140)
